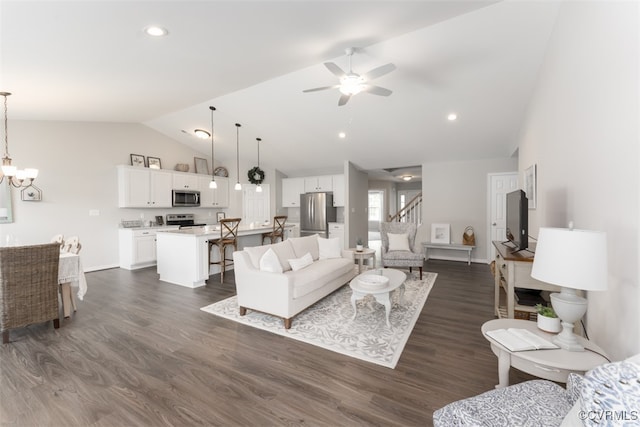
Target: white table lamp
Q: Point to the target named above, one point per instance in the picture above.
(572, 259)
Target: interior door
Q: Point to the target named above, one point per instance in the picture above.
(255, 205)
(499, 185)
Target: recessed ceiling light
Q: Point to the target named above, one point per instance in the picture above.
(342, 135)
(452, 116)
(201, 133)
(156, 31)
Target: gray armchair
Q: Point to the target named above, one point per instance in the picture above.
(400, 258)
(28, 286)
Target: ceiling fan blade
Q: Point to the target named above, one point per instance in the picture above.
(335, 69)
(315, 89)
(379, 72)
(343, 100)
(377, 90)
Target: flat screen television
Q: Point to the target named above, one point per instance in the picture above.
(518, 219)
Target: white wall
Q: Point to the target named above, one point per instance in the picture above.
(356, 206)
(582, 132)
(455, 193)
(77, 163)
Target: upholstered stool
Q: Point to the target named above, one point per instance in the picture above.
(278, 230)
(228, 237)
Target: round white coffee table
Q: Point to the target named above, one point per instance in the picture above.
(381, 295)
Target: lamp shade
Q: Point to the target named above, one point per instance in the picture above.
(571, 258)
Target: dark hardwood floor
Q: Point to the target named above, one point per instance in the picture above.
(139, 352)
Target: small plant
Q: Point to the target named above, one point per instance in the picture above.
(359, 241)
(546, 311)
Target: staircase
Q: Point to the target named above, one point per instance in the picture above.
(412, 212)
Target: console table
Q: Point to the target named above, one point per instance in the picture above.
(552, 365)
(450, 246)
(513, 270)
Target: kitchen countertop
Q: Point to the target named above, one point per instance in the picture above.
(151, 227)
(243, 230)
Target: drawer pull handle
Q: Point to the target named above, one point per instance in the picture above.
(546, 369)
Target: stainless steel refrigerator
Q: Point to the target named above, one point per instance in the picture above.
(316, 212)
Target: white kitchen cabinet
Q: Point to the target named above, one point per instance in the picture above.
(318, 184)
(137, 247)
(336, 230)
(292, 230)
(213, 198)
(338, 190)
(185, 181)
(143, 188)
(292, 188)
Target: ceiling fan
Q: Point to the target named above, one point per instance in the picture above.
(352, 83)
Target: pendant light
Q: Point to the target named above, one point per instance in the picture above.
(212, 184)
(259, 187)
(14, 176)
(238, 186)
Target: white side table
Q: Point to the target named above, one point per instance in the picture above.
(553, 365)
(365, 253)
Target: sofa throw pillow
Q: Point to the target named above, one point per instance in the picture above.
(300, 263)
(255, 254)
(329, 248)
(270, 262)
(612, 388)
(398, 242)
(284, 251)
(304, 245)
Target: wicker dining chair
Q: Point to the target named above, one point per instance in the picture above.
(28, 286)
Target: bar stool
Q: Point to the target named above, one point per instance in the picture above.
(228, 237)
(278, 229)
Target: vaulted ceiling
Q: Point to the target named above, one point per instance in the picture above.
(91, 61)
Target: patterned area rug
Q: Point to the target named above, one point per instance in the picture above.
(328, 323)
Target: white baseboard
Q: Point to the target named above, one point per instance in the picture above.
(100, 267)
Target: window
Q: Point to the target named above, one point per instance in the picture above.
(376, 198)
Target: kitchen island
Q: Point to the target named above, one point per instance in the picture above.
(182, 254)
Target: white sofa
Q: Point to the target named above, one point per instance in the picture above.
(285, 292)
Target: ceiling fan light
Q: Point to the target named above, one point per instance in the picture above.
(407, 177)
(351, 85)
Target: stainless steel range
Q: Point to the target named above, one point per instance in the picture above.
(183, 220)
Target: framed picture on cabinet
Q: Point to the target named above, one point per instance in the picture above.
(202, 166)
(137, 160)
(154, 163)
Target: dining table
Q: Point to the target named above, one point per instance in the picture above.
(71, 275)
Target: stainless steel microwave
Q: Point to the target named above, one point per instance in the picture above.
(186, 198)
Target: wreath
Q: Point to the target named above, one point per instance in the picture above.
(256, 175)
